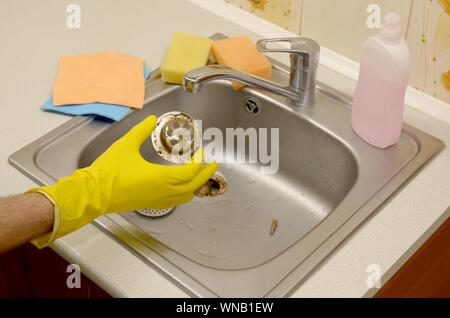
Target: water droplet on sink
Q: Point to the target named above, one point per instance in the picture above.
(188, 225)
(207, 218)
(275, 198)
(200, 205)
(251, 179)
(248, 206)
(245, 226)
(211, 253)
(213, 228)
(326, 210)
(151, 230)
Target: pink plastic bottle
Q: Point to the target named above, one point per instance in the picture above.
(377, 113)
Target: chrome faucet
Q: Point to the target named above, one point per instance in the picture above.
(304, 55)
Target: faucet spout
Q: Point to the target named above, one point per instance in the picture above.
(194, 80)
(304, 53)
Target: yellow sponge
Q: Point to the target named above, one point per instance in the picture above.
(241, 53)
(186, 52)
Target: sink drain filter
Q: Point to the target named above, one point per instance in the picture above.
(154, 213)
(176, 138)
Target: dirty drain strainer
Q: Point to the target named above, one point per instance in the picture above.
(176, 137)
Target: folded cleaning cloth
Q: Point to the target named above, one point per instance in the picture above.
(110, 111)
(102, 77)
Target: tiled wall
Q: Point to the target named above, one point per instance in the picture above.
(340, 25)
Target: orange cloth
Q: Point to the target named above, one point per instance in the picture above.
(105, 77)
(241, 53)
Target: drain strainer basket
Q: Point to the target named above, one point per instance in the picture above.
(176, 137)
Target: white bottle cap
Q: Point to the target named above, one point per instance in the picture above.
(391, 28)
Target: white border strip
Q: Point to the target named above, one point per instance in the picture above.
(330, 59)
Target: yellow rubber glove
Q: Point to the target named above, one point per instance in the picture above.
(121, 180)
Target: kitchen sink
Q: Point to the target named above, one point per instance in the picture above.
(329, 181)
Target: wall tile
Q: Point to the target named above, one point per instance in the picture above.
(340, 25)
(276, 11)
(429, 42)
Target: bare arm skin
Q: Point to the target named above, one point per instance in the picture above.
(23, 218)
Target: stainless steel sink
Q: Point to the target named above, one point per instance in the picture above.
(329, 182)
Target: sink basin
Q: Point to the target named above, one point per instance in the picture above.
(329, 181)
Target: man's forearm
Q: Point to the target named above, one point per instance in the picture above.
(23, 218)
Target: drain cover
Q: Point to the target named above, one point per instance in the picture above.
(155, 213)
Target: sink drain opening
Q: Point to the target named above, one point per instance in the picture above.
(216, 185)
(252, 105)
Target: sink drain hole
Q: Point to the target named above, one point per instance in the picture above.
(216, 185)
(252, 105)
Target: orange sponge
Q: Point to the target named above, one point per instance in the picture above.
(240, 53)
(101, 77)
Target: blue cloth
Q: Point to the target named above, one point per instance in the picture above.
(114, 112)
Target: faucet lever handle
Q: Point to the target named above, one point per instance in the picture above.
(304, 53)
(307, 48)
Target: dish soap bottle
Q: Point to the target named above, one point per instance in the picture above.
(377, 112)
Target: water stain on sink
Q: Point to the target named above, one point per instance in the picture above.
(152, 230)
(190, 226)
(212, 252)
(249, 206)
(200, 205)
(251, 179)
(276, 197)
(224, 201)
(245, 226)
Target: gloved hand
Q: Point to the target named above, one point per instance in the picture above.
(121, 180)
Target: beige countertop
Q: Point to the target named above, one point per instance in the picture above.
(33, 36)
